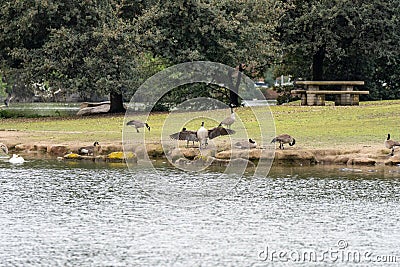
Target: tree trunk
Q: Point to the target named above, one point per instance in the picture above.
(318, 63)
(116, 103)
(234, 94)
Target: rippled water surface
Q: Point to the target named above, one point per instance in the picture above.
(58, 213)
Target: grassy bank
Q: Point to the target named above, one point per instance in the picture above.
(313, 127)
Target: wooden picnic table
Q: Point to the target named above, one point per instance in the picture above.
(311, 95)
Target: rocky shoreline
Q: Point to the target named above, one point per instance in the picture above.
(293, 156)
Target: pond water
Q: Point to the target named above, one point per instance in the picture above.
(43, 109)
(80, 214)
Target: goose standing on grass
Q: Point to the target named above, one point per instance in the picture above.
(90, 150)
(246, 144)
(4, 148)
(391, 144)
(185, 135)
(16, 159)
(138, 124)
(228, 121)
(284, 139)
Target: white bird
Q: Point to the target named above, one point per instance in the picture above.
(138, 124)
(246, 144)
(202, 135)
(16, 159)
(4, 148)
(228, 121)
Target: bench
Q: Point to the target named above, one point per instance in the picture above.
(312, 96)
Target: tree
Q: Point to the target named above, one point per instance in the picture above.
(110, 47)
(75, 46)
(342, 39)
(228, 31)
(90, 58)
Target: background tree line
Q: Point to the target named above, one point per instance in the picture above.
(110, 47)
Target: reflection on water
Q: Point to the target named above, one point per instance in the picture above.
(58, 213)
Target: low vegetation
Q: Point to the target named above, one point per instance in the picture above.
(313, 127)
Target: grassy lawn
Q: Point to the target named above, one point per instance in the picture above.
(313, 127)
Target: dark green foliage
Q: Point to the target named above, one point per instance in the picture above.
(284, 94)
(192, 92)
(229, 32)
(344, 40)
(111, 47)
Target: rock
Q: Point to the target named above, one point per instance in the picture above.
(154, 150)
(72, 156)
(121, 157)
(251, 154)
(330, 159)
(182, 161)
(40, 148)
(232, 154)
(395, 160)
(175, 154)
(140, 151)
(361, 161)
(103, 108)
(342, 159)
(190, 153)
(202, 160)
(255, 154)
(295, 157)
(218, 162)
(22, 147)
(227, 154)
(107, 149)
(57, 150)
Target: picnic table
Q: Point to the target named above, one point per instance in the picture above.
(311, 95)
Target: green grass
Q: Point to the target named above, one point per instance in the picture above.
(367, 124)
(328, 126)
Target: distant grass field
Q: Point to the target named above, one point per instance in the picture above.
(313, 127)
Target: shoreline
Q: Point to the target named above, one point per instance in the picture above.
(297, 156)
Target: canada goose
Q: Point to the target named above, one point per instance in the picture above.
(228, 121)
(16, 159)
(90, 150)
(246, 144)
(185, 135)
(391, 144)
(4, 148)
(138, 124)
(284, 139)
(218, 131)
